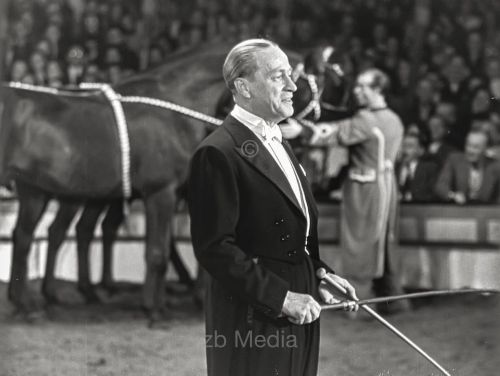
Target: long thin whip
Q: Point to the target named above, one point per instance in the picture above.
(321, 274)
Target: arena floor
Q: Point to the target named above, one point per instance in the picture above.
(462, 333)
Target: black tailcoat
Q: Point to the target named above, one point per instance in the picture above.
(248, 232)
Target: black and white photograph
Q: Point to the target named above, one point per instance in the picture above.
(249, 188)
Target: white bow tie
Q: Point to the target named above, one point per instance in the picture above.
(270, 132)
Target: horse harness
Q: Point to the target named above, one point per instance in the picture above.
(314, 105)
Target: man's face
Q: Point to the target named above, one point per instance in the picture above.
(425, 91)
(364, 92)
(447, 112)
(271, 87)
(493, 69)
(411, 149)
(475, 147)
(437, 128)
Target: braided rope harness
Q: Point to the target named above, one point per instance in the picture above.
(116, 100)
(314, 104)
(121, 124)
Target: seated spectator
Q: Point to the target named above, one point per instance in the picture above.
(474, 53)
(416, 172)
(43, 47)
(55, 75)
(75, 65)
(28, 79)
(492, 129)
(18, 70)
(91, 26)
(92, 74)
(115, 39)
(493, 74)
(422, 107)
(55, 40)
(471, 176)
(92, 51)
(480, 105)
(438, 147)
(156, 56)
(114, 73)
(112, 56)
(456, 74)
(457, 128)
(38, 65)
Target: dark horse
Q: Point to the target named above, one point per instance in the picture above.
(65, 146)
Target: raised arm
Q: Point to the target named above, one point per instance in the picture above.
(344, 132)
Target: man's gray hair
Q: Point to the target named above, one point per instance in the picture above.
(380, 79)
(240, 61)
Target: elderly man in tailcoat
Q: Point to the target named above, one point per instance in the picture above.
(369, 196)
(254, 228)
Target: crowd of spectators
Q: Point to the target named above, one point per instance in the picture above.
(444, 64)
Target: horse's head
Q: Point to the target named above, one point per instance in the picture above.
(323, 90)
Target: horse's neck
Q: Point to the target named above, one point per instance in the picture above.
(302, 96)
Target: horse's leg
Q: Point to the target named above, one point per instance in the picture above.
(159, 213)
(85, 229)
(179, 266)
(110, 225)
(32, 204)
(200, 287)
(56, 234)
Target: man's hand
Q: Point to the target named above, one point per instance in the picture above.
(459, 198)
(300, 308)
(291, 128)
(323, 134)
(330, 296)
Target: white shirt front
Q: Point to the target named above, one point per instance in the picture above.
(270, 136)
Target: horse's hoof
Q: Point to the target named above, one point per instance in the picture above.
(36, 317)
(30, 317)
(50, 295)
(159, 321)
(154, 317)
(28, 302)
(109, 287)
(89, 295)
(52, 299)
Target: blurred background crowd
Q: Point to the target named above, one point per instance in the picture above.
(443, 59)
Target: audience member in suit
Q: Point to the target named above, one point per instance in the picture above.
(456, 74)
(457, 127)
(470, 176)
(422, 107)
(438, 147)
(416, 171)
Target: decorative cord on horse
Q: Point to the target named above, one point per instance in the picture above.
(116, 101)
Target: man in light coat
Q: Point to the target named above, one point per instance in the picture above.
(369, 195)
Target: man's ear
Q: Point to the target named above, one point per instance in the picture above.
(242, 88)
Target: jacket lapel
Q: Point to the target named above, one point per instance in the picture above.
(251, 149)
(463, 174)
(311, 202)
